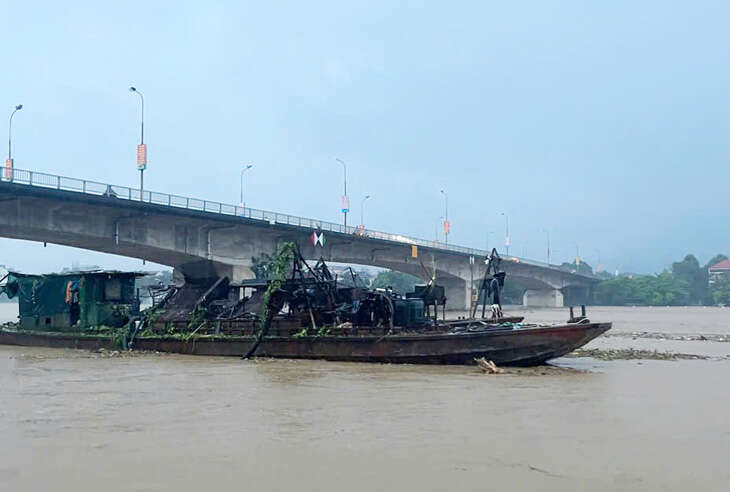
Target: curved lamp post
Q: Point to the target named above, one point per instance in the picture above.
(141, 148)
(547, 234)
(362, 210)
(489, 233)
(447, 224)
(9, 162)
(243, 204)
(439, 222)
(506, 233)
(345, 199)
(10, 130)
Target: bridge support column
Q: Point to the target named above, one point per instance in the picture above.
(543, 298)
(577, 295)
(458, 294)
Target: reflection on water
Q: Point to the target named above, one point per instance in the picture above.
(74, 420)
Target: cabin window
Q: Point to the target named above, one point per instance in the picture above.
(113, 290)
(48, 321)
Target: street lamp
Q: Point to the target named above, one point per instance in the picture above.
(489, 233)
(547, 234)
(345, 199)
(362, 211)
(9, 162)
(436, 228)
(242, 203)
(447, 225)
(506, 233)
(141, 148)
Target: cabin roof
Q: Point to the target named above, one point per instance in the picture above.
(79, 273)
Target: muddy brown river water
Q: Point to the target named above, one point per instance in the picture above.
(76, 421)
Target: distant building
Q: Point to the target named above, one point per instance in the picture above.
(63, 302)
(718, 270)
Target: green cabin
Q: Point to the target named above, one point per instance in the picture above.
(73, 301)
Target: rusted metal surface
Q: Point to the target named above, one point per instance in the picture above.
(55, 340)
(504, 346)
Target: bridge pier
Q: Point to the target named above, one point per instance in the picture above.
(577, 295)
(458, 293)
(542, 298)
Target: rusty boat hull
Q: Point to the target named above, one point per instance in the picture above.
(523, 346)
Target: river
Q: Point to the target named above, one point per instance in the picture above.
(74, 420)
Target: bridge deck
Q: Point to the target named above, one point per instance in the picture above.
(82, 186)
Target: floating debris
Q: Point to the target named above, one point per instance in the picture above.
(680, 337)
(487, 366)
(634, 354)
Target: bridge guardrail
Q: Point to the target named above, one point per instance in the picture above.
(52, 181)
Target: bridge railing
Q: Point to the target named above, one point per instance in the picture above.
(52, 181)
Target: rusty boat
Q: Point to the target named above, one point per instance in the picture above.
(307, 312)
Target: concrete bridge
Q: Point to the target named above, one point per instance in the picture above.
(201, 239)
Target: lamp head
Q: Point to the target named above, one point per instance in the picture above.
(18, 107)
(132, 89)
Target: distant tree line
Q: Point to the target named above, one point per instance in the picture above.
(685, 283)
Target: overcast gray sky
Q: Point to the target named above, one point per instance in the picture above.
(604, 123)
